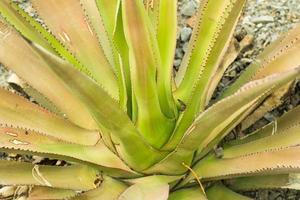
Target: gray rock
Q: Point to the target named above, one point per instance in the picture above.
(189, 8)
(177, 63)
(263, 19)
(178, 53)
(185, 47)
(185, 33)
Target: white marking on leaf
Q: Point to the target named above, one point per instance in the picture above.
(38, 176)
(66, 36)
(18, 142)
(11, 134)
(90, 29)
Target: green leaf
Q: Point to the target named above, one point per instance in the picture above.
(97, 16)
(109, 12)
(70, 25)
(48, 193)
(166, 38)
(279, 161)
(16, 111)
(234, 49)
(210, 39)
(113, 122)
(193, 193)
(289, 119)
(283, 139)
(31, 142)
(11, 13)
(211, 124)
(100, 19)
(280, 56)
(219, 191)
(123, 52)
(270, 103)
(38, 74)
(283, 181)
(20, 173)
(109, 189)
(203, 58)
(33, 30)
(146, 190)
(153, 178)
(144, 61)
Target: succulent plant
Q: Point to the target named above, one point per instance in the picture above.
(103, 98)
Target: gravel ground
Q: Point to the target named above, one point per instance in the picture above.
(265, 20)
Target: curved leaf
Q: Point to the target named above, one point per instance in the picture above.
(37, 73)
(203, 58)
(18, 173)
(208, 44)
(265, 163)
(286, 121)
(18, 139)
(113, 122)
(166, 38)
(99, 17)
(219, 191)
(109, 189)
(280, 56)
(194, 193)
(273, 101)
(48, 193)
(10, 12)
(144, 61)
(71, 27)
(210, 124)
(284, 181)
(146, 190)
(16, 111)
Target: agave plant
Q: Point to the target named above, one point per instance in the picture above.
(105, 101)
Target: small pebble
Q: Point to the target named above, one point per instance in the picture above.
(262, 19)
(185, 33)
(189, 8)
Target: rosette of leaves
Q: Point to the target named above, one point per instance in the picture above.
(105, 101)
